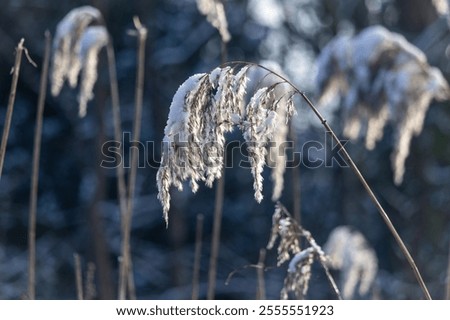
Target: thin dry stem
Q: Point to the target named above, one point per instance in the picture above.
(215, 243)
(12, 98)
(261, 294)
(78, 276)
(218, 210)
(35, 170)
(126, 222)
(356, 171)
(90, 288)
(197, 257)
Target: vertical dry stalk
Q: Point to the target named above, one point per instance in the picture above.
(12, 97)
(78, 276)
(218, 205)
(130, 283)
(114, 87)
(35, 170)
(90, 289)
(197, 257)
(215, 243)
(121, 187)
(141, 33)
(261, 295)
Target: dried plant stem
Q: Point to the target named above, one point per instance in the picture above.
(35, 171)
(374, 199)
(197, 257)
(215, 243)
(78, 276)
(12, 97)
(126, 218)
(121, 188)
(117, 124)
(218, 210)
(90, 288)
(130, 283)
(361, 178)
(261, 294)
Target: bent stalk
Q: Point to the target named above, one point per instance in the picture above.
(356, 171)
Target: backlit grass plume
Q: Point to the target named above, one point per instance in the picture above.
(215, 14)
(380, 77)
(350, 253)
(203, 110)
(75, 49)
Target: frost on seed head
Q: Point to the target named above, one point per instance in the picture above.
(203, 110)
(66, 46)
(380, 78)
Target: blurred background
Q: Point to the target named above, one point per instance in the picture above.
(77, 204)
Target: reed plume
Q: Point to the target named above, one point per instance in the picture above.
(381, 78)
(203, 110)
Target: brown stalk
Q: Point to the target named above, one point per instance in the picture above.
(261, 294)
(12, 97)
(356, 171)
(35, 171)
(218, 210)
(78, 276)
(141, 33)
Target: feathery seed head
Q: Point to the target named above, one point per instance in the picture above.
(66, 46)
(349, 252)
(381, 78)
(203, 110)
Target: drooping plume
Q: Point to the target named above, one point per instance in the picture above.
(66, 62)
(203, 110)
(350, 253)
(380, 78)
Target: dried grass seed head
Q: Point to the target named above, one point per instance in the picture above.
(380, 77)
(298, 274)
(203, 110)
(287, 229)
(66, 46)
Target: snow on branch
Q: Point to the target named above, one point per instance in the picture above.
(204, 108)
(380, 78)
